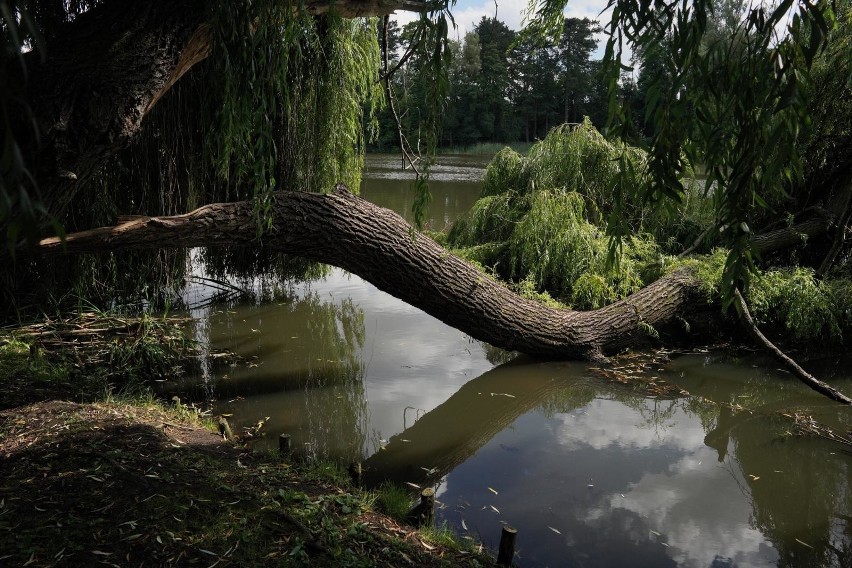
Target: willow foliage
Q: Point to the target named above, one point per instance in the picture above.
(805, 306)
(541, 219)
(292, 93)
(279, 104)
(736, 103)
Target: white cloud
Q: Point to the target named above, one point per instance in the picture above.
(467, 13)
(698, 511)
(605, 423)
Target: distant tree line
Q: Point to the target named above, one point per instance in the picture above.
(504, 86)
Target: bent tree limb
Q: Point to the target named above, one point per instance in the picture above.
(377, 244)
(798, 371)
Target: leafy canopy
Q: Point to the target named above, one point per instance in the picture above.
(733, 103)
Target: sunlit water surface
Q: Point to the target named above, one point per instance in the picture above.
(590, 472)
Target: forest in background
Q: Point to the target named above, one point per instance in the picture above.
(506, 86)
(503, 86)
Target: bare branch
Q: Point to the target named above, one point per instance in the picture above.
(798, 371)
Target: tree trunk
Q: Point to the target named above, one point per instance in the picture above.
(378, 245)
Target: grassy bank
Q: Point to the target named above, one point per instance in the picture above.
(126, 480)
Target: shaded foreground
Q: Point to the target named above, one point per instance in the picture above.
(130, 485)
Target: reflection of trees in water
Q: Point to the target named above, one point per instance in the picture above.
(809, 500)
(335, 401)
(798, 489)
(300, 364)
(449, 434)
(497, 356)
(800, 492)
(155, 278)
(263, 274)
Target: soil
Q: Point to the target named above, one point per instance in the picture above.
(128, 485)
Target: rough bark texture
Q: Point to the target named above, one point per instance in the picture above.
(378, 245)
(101, 74)
(108, 68)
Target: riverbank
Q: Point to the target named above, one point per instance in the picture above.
(124, 484)
(128, 480)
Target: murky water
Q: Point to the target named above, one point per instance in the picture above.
(589, 471)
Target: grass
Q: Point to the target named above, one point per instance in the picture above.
(127, 479)
(393, 500)
(126, 482)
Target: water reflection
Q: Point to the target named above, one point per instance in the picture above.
(454, 187)
(594, 474)
(451, 433)
(299, 367)
(590, 472)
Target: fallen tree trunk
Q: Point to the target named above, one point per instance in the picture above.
(377, 244)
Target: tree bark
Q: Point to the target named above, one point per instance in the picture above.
(378, 245)
(109, 67)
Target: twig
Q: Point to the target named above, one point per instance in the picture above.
(698, 241)
(840, 233)
(799, 372)
(403, 141)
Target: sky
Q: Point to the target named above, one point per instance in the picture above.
(468, 12)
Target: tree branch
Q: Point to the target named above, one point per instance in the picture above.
(798, 371)
(377, 244)
(840, 231)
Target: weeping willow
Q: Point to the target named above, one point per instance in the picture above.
(288, 112)
(280, 104)
(541, 219)
(541, 222)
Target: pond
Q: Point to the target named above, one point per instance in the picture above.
(591, 471)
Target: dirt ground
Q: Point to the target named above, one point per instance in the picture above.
(123, 485)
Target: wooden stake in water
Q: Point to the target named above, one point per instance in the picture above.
(507, 546)
(424, 512)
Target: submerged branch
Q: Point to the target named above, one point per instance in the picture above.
(798, 371)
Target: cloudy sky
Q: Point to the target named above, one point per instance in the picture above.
(468, 12)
